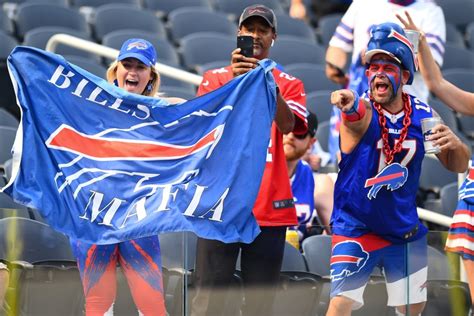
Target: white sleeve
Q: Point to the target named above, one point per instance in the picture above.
(434, 27)
(344, 35)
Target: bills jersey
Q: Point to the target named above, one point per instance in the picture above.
(302, 185)
(352, 35)
(274, 205)
(370, 197)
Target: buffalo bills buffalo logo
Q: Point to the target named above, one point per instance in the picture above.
(393, 176)
(348, 258)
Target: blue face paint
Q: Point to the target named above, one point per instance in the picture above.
(388, 69)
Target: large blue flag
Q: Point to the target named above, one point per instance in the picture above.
(103, 165)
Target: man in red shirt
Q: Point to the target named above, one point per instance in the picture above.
(274, 208)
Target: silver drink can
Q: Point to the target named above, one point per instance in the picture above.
(427, 125)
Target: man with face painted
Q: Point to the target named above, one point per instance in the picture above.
(375, 221)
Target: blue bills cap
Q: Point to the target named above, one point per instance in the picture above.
(140, 49)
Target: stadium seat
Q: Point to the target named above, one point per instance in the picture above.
(7, 119)
(449, 198)
(178, 92)
(188, 20)
(40, 36)
(7, 97)
(89, 65)
(470, 35)
(458, 12)
(322, 134)
(6, 25)
(295, 27)
(434, 176)
(319, 103)
(289, 50)
(327, 26)
(462, 78)
(164, 7)
(98, 3)
(313, 76)
(466, 125)
(457, 57)
(235, 8)
(317, 252)
(447, 115)
(33, 15)
(7, 137)
(166, 52)
(6, 202)
(202, 48)
(8, 44)
(113, 17)
(454, 36)
(201, 69)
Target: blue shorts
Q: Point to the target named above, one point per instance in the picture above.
(354, 258)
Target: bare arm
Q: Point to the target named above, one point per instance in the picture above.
(323, 198)
(336, 56)
(351, 131)
(297, 9)
(459, 100)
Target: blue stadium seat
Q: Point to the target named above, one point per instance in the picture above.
(327, 26)
(7, 119)
(178, 92)
(6, 25)
(319, 103)
(457, 57)
(7, 137)
(449, 198)
(33, 15)
(235, 8)
(7, 203)
(454, 36)
(202, 48)
(188, 20)
(90, 65)
(39, 37)
(164, 7)
(461, 77)
(201, 69)
(434, 176)
(98, 3)
(295, 27)
(113, 17)
(166, 52)
(7, 97)
(470, 35)
(8, 44)
(322, 134)
(289, 50)
(312, 75)
(458, 12)
(466, 125)
(447, 115)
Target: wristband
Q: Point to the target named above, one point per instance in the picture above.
(357, 111)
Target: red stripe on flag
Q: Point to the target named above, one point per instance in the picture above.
(343, 258)
(103, 148)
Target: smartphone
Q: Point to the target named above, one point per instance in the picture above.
(245, 43)
(340, 72)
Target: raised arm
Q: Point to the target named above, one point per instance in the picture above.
(459, 100)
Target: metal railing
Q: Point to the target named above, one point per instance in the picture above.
(111, 53)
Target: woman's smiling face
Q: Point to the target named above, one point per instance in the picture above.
(132, 75)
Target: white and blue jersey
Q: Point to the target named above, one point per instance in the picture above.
(370, 197)
(302, 186)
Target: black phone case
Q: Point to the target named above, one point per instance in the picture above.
(245, 43)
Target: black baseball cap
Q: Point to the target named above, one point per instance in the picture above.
(312, 124)
(259, 10)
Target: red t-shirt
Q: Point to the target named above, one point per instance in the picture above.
(274, 205)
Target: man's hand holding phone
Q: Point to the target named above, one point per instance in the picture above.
(242, 57)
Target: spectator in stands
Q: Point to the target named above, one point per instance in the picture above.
(140, 259)
(4, 281)
(461, 232)
(303, 183)
(375, 216)
(352, 35)
(274, 208)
